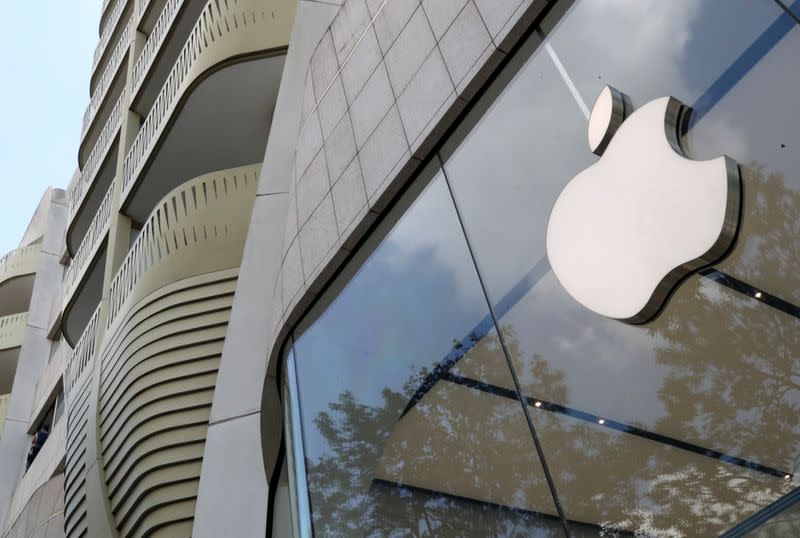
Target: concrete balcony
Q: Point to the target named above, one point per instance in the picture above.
(118, 19)
(166, 36)
(83, 279)
(12, 329)
(49, 384)
(168, 311)
(87, 193)
(17, 271)
(236, 47)
(198, 228)
(82, 355)
(110, 89)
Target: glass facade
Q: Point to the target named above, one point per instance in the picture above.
(446, 385)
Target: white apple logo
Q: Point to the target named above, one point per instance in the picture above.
(625, 231)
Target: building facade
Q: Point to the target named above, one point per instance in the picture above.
(303, 282)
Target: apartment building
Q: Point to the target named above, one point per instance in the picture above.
(415, 268)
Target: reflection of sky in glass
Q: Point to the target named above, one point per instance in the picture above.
(637, 374)
(414, 296)
(704, 369)
(551, 324)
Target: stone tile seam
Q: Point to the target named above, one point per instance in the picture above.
(235, 417)
(492, 44)
(339, 242)
(339, 71)
(357, 155)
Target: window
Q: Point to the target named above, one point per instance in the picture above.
(445, 383)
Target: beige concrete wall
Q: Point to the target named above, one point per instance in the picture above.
(158, 373)
(139, 403)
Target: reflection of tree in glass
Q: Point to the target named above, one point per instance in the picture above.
(459, 444)
(731, 384)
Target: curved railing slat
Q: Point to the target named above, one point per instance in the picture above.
(218, 20)
(11, 330)
(154, 41)
(96, 158)
(18, 262)
(82, 355)
(108, 31)
(85, 254)
(208, 207)
(109, 74)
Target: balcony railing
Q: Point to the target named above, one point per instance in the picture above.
(109, 74)
(89, 245)
(82, 355)
(108, 31)
(51, 378)
(143, 5)
(96, 158)
(11, 330)
(218, 19)
(211, 207)
(21, 261)
(154, 41)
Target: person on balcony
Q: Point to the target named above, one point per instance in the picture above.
(36, 444)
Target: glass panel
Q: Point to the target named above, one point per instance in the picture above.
(688, 424)
(407, 425)
(301, 520)
(785, 523)
(282, 518)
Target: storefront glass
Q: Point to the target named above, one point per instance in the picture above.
(687, 425)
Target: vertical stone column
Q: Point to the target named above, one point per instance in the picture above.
(100, 521)
(34, 353)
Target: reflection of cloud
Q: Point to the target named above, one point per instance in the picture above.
(645, 32)
(429, 235)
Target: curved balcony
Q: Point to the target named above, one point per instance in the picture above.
(166, 37)
(17, 271)
(82, 355)
(87, 193)
(118, 19)
(168, 311)
(102, 104)
(83, 279)
(201, 227)
(235, 48)
(12, 329)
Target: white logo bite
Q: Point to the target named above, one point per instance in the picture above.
(625, 231)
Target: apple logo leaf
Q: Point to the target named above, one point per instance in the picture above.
(628, 229)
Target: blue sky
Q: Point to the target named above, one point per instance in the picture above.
(46, 55)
